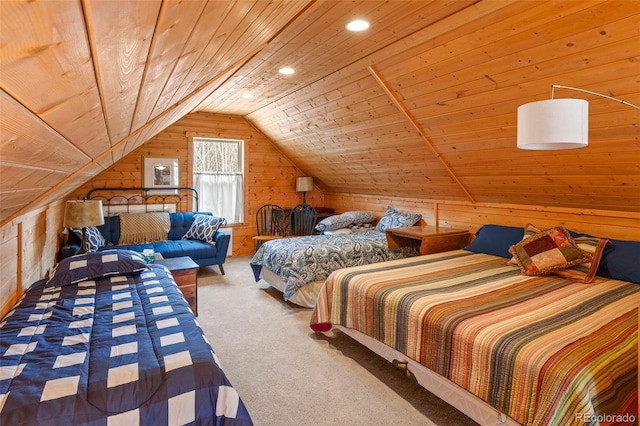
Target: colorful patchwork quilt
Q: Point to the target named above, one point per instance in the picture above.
(301, 260)
(117, 349)
(542, 349)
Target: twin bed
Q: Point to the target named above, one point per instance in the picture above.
(108, 339)
(298, 266)
(501, 346)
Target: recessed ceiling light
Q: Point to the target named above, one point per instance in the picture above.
(357, 25)
(247, 95)
(286, 71)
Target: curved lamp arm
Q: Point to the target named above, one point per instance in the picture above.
(557, 86)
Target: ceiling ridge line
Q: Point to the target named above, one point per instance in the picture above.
(87, 14)
(152, 46)
(415, 125)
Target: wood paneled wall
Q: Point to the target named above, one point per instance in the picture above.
(28, 248)
(269, 175)
(610, 224)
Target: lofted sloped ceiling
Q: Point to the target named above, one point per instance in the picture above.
(420, 105)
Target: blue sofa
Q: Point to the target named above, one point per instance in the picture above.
(202, 253)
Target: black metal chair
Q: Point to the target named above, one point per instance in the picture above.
(302, 220)
(270, 220)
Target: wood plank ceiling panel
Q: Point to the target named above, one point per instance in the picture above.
(242, 30)
(349, 103)
(177, 22)
(45, 64)
(317, 45)
(451, 109)
(121, 65)
(90, 81)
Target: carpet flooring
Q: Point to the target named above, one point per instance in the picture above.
(288, 375)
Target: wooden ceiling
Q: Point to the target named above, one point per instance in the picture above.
(420, 105)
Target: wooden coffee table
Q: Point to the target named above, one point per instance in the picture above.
(184, 271)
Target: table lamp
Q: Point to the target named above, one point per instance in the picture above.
(304, 184)
(81, 214)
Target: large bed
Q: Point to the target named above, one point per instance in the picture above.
(108, 339)
(298, 266)
(499, 345)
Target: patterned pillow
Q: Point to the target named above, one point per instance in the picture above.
(334, 222)
(585, 272)
(394, 219)
(204, 228)
(529, 231)
(548, 251)
(95, 265)
(95, 240)
(359, 217)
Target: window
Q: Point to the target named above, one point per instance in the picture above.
(218, 177)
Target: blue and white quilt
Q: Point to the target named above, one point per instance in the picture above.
(301, 260)
(118, 349)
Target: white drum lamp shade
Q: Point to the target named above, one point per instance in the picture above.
(553, 124)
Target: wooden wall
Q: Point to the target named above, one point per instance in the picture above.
(28, 249)
(446, 213)
(269, 175)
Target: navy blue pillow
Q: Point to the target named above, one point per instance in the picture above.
(621, 261)
(496, 240)
(96, 265)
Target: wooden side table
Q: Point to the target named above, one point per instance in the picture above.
(184, 271)
(432, 239)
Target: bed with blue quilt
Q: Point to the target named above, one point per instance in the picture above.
(298, 266)
(108, 339)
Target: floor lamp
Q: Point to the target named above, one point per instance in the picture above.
(557, 123)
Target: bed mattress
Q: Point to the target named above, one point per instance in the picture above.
(299, 261)
(121, 349)
(543, 350)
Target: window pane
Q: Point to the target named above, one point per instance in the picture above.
(217, 156)
(217, 176)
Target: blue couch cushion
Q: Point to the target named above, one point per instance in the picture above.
(196, 250)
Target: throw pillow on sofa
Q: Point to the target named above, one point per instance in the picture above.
(204, 228)
(95, 240)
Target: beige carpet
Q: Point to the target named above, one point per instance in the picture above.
(288, 375)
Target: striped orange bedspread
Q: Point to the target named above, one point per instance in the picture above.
(543, 350)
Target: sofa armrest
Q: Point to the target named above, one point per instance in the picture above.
(222, 245)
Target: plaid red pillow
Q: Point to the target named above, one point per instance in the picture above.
(548, 251)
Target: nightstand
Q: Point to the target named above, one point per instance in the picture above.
(431, 238)
(184, 271)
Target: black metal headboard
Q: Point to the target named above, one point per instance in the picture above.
(184, 198)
